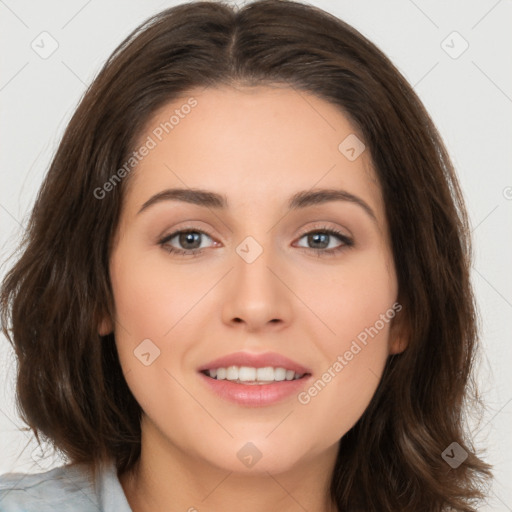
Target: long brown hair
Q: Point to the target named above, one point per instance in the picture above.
(70, 387)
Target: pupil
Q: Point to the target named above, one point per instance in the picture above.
(315, 238)
(186, 238)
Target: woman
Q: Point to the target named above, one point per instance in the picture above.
(253, 368)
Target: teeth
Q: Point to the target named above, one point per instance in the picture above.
(251, 375)
(232, 373)
(246, 374)
(266, 374)
(279, 374)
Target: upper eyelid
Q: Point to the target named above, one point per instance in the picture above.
(323, 227)
(175, 232)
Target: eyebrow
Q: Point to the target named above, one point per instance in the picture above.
(302, 199)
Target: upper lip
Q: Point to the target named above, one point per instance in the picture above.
(256, 361)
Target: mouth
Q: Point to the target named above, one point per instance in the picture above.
(252, 376)
(254, 380)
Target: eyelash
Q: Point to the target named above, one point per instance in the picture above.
(347, 242)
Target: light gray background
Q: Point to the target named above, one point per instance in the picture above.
(469, 98)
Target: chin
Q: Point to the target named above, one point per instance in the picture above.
(258, 456)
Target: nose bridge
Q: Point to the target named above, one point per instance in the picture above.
(256, 295)
(254, 258)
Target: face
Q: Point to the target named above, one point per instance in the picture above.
(309, 288)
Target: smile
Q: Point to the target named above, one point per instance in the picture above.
(251, 375)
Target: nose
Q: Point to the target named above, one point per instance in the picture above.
(257, 297)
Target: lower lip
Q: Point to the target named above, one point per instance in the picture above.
(256, 395)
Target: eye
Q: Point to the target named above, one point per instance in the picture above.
(189, 239)
(320, 239)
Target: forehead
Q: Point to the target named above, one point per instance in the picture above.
(256, 145)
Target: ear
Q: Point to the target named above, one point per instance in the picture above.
(399, 331)
(105, 326)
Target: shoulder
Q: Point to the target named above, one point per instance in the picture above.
(67, 487)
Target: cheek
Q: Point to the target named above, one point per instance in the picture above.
(149, 299)
(357, 307)
(344, 386)
(352, 299)
(153, 307)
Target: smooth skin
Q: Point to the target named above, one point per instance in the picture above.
(257, 146)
